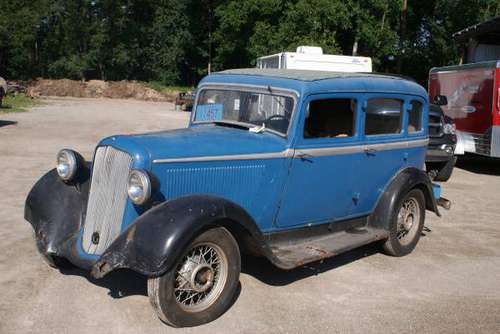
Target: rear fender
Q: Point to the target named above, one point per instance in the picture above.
(402, 183)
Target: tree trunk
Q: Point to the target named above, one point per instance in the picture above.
(402, 34)
(355, 46)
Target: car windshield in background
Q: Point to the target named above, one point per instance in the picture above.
(245, 108)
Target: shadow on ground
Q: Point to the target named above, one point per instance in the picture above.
(479, 165)
(120, 283)
(5, 123)
(123, 283)
(264, 271)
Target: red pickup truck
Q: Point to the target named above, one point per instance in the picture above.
(472, 90)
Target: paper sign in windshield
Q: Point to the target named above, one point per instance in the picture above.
(209, 112)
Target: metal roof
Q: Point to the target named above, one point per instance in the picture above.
(314, 82)
(306, 75)
(488, 29)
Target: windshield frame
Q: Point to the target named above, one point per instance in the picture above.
(268, 90)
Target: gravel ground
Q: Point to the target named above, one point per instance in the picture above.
(449, 284)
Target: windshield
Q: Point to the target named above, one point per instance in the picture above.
(246, 108)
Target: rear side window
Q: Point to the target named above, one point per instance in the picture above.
(331, 118)
(415, 117)
(383, 116)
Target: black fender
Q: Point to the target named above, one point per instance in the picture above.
(55, 209)
(156, 239)
(401, 183)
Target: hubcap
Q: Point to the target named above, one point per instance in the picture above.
(200, 277)
(408, 220)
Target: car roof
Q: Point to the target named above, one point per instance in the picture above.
(306, 75)
(310, 82)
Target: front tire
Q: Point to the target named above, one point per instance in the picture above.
(202, 285)
(407, 222)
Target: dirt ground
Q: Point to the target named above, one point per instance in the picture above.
(449, 284)
(95, 89)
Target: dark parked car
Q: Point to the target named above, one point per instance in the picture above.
(440, 158)
(295, 166)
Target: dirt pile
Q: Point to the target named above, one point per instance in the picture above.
(96, 89)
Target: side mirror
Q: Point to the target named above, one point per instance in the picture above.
(440, 100)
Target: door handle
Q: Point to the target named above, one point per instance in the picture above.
(370, 151)
(304, 156)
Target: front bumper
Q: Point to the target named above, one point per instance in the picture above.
(438, 155)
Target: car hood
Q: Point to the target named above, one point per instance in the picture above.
(199, 141)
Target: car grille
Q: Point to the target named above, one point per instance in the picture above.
(107, 199)
(435, 125)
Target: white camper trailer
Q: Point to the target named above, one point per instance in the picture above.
(312, 58)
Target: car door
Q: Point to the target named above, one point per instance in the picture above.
(319, 186)
(385, 150)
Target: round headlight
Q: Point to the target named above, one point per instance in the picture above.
(67, 164)
(449, 129)
(139, 187)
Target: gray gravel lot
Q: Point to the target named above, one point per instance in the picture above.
(450, 284)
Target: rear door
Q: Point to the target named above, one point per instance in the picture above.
(384, 152)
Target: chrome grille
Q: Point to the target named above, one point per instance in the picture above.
(107, 199)
(435, 125)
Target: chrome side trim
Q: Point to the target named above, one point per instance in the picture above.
(331, 151)
(259, 156)
(291, 153)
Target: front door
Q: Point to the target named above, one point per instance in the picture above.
(319, 188)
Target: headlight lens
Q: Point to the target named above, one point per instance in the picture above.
(139, 187)
(67, 164)
(449, 129)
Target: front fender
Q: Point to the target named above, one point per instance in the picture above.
(155, 240)
(55, 210)
(403, 182)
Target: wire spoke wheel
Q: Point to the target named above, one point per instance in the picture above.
(200, 277)
(407, 220)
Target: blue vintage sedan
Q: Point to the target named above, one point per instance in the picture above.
(295, 166)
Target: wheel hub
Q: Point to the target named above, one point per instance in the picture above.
(201, 277)
(408, 218)
(408, 222)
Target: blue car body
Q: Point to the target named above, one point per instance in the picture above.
(267, 187)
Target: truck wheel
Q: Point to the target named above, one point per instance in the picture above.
(407, 222)
(202, 284)
(445, 170)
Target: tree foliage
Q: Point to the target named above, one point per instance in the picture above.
(173, 41)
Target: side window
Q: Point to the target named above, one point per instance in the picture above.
(415, 117)
(383, 116)
(331, 118)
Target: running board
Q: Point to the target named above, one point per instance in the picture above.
(294, 253)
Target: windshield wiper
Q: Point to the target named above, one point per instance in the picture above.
(231, 125)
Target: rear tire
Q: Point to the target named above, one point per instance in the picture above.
(202, 285)
(407, 222)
